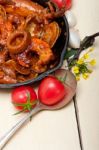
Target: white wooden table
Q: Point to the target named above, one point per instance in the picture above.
(58, 130)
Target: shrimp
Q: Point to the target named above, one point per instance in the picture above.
(43, 51)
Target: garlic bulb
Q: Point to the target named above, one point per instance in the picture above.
(70, 18)
(74, 39)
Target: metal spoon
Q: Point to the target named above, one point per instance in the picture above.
(70, 82)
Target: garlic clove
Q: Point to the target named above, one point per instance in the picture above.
(70, 18)
(74, 39)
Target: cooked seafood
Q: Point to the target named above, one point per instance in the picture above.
(28, 33)
(51, 33)
(27, 7)
(18, 41)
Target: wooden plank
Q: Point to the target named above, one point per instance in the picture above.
(87, 13)
(49, 130)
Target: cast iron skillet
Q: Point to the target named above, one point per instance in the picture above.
(60, 48)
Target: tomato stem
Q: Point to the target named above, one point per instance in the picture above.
(19, 112)
(62, 79)
(26, 106)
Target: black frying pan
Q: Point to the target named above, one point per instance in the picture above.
(60, 48)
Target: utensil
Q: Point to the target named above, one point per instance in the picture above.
(70, 82)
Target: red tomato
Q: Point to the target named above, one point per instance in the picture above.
(24, 98)
(68, 4)
(51, 91)
(61, 3)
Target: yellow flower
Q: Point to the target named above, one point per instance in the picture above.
(90, 71)
(80, 61)
(76, 69)
(85, 75)
(86, 56)
(77, 77)
(93, 62)
(91, 49)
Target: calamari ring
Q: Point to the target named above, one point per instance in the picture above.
(18, 47)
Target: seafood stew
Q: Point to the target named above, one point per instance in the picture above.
(33, 40)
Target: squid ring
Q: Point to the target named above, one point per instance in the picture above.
(18, 41)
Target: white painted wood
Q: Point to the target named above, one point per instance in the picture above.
(48, 130)
(57, 130)
(87, 13)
